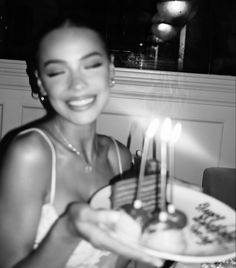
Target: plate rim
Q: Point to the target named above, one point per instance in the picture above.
(168, 255)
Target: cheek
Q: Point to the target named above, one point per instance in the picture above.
(101, 78)
(53, 87)
(105, 98)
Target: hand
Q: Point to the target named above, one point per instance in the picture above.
(96, 226)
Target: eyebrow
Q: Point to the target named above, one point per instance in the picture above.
(92, 54)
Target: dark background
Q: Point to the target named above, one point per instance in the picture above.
(210, 45)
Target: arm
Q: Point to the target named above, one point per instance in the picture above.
(24, 179)
(125, 156)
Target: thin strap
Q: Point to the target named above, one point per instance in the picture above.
(118, 155)
(53, 170)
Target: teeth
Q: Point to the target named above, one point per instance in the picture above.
(81, 102)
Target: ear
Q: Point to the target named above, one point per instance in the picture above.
(112, 67)
(42, 91)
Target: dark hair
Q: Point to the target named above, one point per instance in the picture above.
(59, 22)
(64, 22)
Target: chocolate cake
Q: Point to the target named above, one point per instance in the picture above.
(159, 233)
(124, 188)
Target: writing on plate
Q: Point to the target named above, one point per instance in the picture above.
(209, 226)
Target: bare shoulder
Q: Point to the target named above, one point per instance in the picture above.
(123, 151)
(24, 174)
(25, 158)
(28, 146)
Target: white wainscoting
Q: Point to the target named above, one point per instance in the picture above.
(205, 104)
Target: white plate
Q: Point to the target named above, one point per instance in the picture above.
(205, 214)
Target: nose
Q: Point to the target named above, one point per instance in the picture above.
(77, 82)
(78, 86)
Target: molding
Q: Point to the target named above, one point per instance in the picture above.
(13, 75)
(203, 89)
(176, 86)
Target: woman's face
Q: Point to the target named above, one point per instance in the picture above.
(75, 73)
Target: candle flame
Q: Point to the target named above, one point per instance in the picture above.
(176, 132)
(152, 128)
(166, 129)
(169, 133)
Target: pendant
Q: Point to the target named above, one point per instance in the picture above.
(88, 168)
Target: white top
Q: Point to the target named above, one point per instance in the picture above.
(84, 255)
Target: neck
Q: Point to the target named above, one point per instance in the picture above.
(81, 137)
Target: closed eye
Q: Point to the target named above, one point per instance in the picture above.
(52, 74)
(94, 65)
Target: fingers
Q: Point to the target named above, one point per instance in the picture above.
(117, 221)
(100, 225)
(96, 225)
(100, 217)
(82, 212)
(86, 220)
(104, 241)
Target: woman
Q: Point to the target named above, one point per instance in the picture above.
(50, 170)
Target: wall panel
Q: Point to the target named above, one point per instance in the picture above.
(31, 113)
(205, 104)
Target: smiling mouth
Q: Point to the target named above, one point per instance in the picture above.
(81, 103)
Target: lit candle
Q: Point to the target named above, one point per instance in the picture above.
(152, 128)
(169, 136)
(175, 134)
(173, 139)
(165, 137)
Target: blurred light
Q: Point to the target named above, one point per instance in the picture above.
(164, 27)
(190, 146)
(176, 8)
(175, 12)
(164, 31)
(166, 130)
(152, 128)
(176, 133)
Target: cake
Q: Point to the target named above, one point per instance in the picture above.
(123, 189)
(162, 237)
(157, 232)
(166, 232)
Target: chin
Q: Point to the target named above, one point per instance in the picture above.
(85, 119)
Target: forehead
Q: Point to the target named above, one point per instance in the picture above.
(71, 42)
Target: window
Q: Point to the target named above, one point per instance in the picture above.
(209, 45)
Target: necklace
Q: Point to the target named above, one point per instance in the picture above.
(88, 167)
